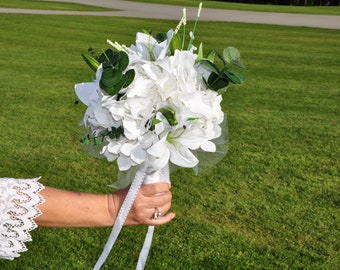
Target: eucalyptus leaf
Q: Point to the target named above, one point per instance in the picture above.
(114, 89)
(210, 65)
(109, 56)
(118, 86)
(238, 64)
(231, 54)
(212, 78)
(123, 60)
(130, 76)
(216, 82)
(221, 83)
(235, 76)
(160, 37)
(111, 77)
(112, 56)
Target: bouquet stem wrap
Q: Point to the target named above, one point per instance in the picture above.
(142, 177)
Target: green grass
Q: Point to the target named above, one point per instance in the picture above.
(325, 10)
(33, 4)
(272, 203)
(50, 5)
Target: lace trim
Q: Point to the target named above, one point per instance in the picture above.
(19, 201)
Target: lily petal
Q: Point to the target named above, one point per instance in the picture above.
(182, 156)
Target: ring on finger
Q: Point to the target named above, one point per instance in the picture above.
(156, 214)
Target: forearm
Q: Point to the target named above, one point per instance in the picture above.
(64, 208)
(73, 209)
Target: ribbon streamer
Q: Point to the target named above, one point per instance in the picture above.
(140, 178)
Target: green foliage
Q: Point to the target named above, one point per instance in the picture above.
(113, 78)
(91, 61)
(219, 80)
(271, 203)
(170, 115)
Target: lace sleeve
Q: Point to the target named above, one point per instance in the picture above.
(19, 201)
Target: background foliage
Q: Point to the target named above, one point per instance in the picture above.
(272, 203)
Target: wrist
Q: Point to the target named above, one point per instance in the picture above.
(115, 201)
(111, 209)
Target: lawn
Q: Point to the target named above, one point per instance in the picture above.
(50, 5)
(271, 203)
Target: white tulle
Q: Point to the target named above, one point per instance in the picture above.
(19, 201)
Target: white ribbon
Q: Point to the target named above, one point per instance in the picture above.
(140, 178)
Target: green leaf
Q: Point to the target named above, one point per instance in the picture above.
(113, 89)
(156, 121)
(216, 82)
(212, 78)
(123, 60)
(210, 65)
(86, 141)
(235, 76)
(111, 77)
(211, 56)
(109, 57)
(148, 32)
(200, 53)
(175, 44)
(116, 132)
(160, 37)
(130, 76)
(238, 64)
(170, 115)
(91, 61)
(231, 54)
(192, 118)
(97, 141)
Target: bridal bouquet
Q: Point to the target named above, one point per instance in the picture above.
(158, 101)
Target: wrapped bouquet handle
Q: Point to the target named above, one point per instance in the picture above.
(141, 177)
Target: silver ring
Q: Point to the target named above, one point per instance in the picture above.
(156, 214)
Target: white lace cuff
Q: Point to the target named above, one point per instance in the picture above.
(19, 201)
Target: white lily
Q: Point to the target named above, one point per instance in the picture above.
(89, 91)
(149, 49)
(163, 151)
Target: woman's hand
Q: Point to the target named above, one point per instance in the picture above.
(150, 198)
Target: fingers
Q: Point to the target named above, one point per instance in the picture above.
(151, 197)
(153, 189)
(162, 220)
